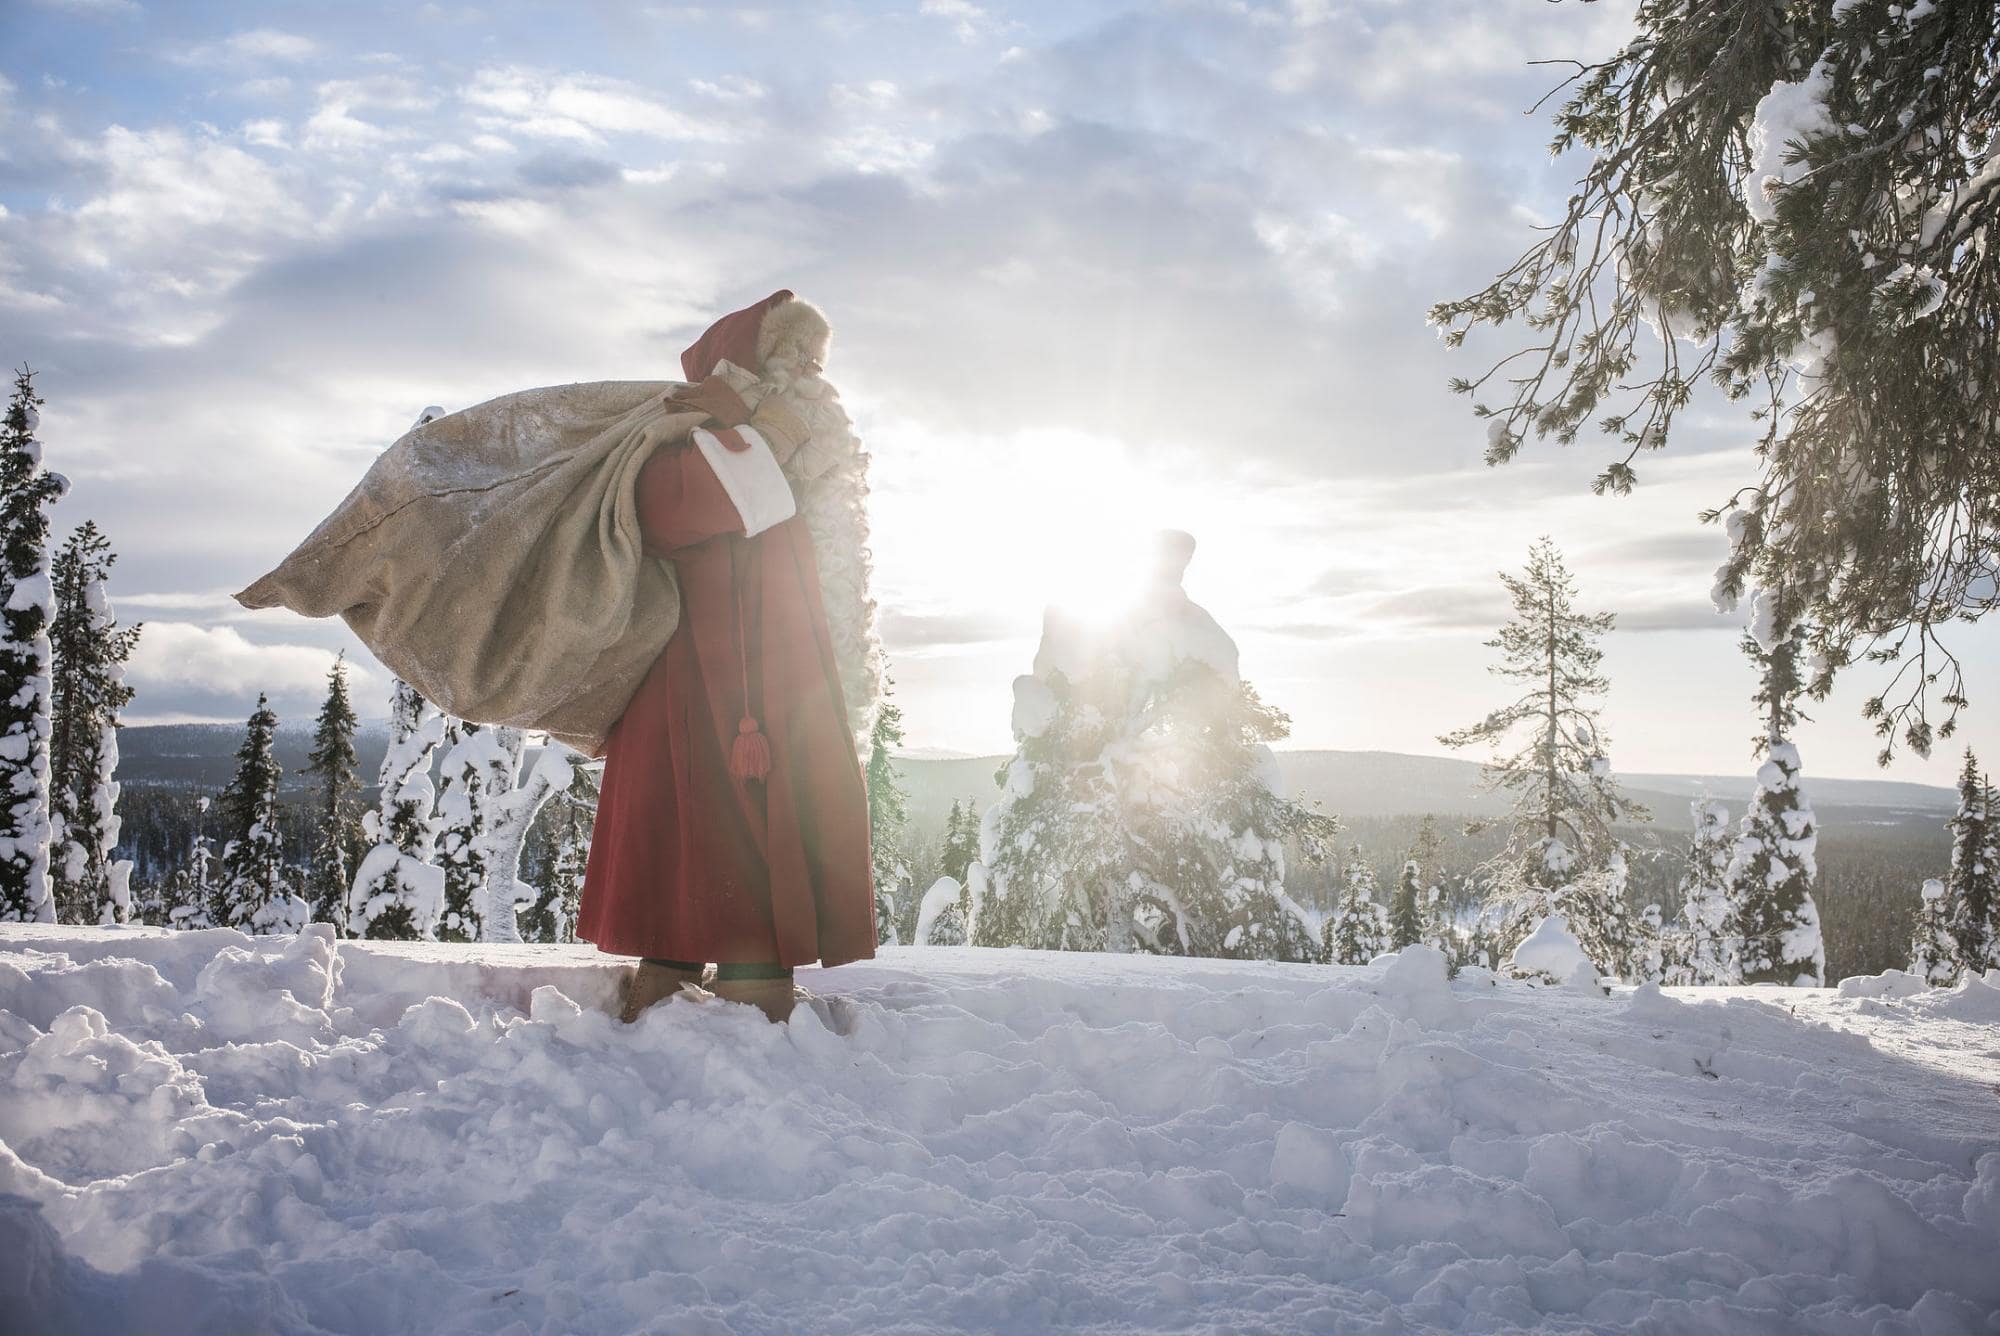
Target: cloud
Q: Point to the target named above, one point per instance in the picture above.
(335, 128)
(165, 222)
(904, 630)
(95, 8)
(586, 108)
(180, 670)
(969, 21)
(251, 47)
(566, 171)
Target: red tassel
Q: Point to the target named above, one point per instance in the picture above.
(750, 758)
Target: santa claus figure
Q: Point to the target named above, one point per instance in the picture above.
(732, 827)
(670, 575)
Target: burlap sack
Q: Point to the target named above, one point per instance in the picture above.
(491, 558)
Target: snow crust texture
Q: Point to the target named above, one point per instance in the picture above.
(204, 1131)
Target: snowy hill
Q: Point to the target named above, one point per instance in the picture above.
(207, 1132)
(1375, 783)
(1350, 783)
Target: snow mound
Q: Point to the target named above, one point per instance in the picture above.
(439, 1139)
(1552, 950)
(1889, 983)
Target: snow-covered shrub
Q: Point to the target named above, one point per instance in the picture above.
(1771, 874)
(398, 892)
(1705, 946)
(1142, 807)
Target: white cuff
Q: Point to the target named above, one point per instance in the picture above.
(755, 483)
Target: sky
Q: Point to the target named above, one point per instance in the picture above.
(1093, 269)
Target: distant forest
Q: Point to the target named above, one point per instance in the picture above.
(1874, 854)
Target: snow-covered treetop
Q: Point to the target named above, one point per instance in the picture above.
(1161, 631)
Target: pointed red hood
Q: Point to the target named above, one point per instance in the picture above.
(732, 338)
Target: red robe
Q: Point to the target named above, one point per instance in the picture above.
(687, 861)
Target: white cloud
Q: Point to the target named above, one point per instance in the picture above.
(334, 128)
(95, 8)
(968, 20)
(220, 660)
(581, 107)
(254, 46)
(264, 132)
(269, 44)
(167, 221)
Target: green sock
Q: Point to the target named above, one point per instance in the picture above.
(754, 969)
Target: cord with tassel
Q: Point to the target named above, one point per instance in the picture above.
(750, 755)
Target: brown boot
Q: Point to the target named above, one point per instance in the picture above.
(773, 997)
(651, 982)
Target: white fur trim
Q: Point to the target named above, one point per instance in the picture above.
(755, 483)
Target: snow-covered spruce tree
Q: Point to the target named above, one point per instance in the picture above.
(1796, 200)
(337, 834)
(1416, 889)
(511, 816)
(1972, 891)
(1406, 915)
(941, 915)
(1706, 947)
(1932, 958)
(1629, 939)
(398, 892)
(888, 815)
(961, 840)
(27, 490)
(189, 894)
(484, 810)
(1772, 868)
(1141, 808)
(560, 841)
(1358, 929)
(1548, 751)
(89, 650)
(253, 891)
(1442, 928)
(459, 822)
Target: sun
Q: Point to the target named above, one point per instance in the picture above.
(991, 531)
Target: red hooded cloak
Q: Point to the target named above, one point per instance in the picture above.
(689, 861)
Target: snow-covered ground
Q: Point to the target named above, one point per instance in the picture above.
(213, 1133)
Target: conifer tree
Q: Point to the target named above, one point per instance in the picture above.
(484, 811)
(1796, 201)
(1627, 942)
(254, 890)
(1359, 929)
(961, 840)
(941, 915)
(461, 820)
(27, 490)
(1706, 950)
(1549, 751)
(189, 893)
(560, 840)
(398, 892)
(1141, 808)
(1972, 890)
(89, 650)
(888, 814)
(1406, 922)
(1773, 866)
(517, 799)
(337, 835)
(1932, 957)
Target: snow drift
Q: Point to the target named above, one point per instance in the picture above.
(208, 1131)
